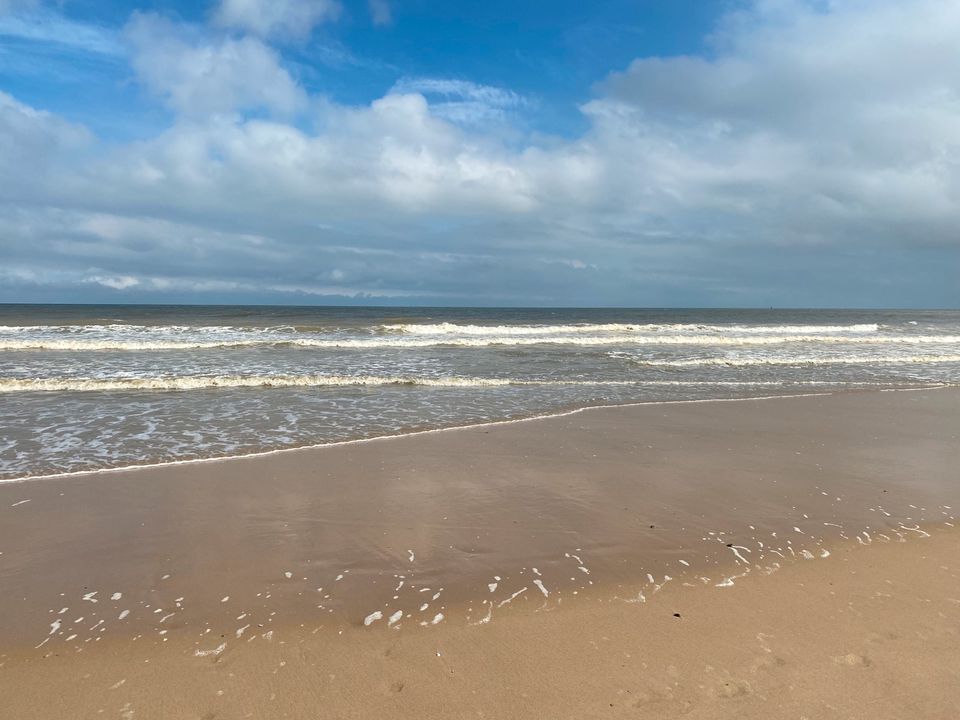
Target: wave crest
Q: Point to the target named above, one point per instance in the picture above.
(622, 328)
(811, 361)
(203, 382)
(83, 344)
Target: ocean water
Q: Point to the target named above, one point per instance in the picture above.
(86, 387)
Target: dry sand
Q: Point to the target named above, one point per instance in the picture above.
(807, 545)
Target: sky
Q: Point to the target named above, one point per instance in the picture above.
(633, 153)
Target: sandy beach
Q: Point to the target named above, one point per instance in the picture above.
(377, 359)
(789, 557)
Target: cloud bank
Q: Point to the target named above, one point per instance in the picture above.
(812, 157)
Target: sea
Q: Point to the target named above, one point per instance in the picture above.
(89, 387)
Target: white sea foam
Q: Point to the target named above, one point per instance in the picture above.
(88, 344)
(378, 438)
(521, 330)
(848, 359)
(510, 330)
(89, 411)
(237, 381)
(81, 344)
(203, 382)
(215, 651)
(439, 328)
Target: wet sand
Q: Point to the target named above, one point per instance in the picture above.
(543, 560)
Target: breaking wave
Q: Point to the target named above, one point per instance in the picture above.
(809, 361)
(96, 344)
(183, 383)
(606, 328)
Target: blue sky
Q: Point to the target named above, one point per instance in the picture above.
(757, 152)
(70, 58)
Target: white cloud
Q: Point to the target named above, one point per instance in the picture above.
(461, 101)
(36, 147)
(121, 282)
(833, 112)
(23, 22)
(276, 18)
(34, 132)
(822, 141)
(196, 75)
(373, 162)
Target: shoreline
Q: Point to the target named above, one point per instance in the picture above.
(501, 499)
(357, 560)
(413, 433)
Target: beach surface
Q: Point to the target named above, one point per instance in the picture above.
(788, 557)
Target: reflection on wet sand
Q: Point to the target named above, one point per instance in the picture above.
(445, 531)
